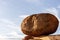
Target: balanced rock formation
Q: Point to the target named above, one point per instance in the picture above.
(39, 24)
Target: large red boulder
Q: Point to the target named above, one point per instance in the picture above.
(39, 24)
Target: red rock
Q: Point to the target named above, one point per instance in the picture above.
(39, 24)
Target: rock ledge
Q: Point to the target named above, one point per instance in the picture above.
(49, 37)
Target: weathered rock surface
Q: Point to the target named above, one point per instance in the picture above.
(50, 37)
(39, 24)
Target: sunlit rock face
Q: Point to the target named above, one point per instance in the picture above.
(39, 24)
(50, 37)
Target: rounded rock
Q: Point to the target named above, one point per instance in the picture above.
(39, 24)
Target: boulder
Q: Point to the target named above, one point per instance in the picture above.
(39, 24)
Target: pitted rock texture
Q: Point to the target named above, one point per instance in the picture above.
(39, 24)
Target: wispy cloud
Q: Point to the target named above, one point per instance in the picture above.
(58, 6)
(53, 11)
(3, 39)
(9, 29)
(23, 16)
(12, 35)
(7, 23)
(1, 36)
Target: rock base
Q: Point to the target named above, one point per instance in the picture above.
(50, 37)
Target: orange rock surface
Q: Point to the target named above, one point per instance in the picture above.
(39, 24)
(50, 37)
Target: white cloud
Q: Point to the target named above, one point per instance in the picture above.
(53, 11)
(58, 6)
(23, 16)
(12, 35)
(9, 29)
(3, 39)
(59, 19)
(1, 36)
(6, 21)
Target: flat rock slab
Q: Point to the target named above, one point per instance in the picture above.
(50, 37)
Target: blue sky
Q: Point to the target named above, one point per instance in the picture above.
(12, 12)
